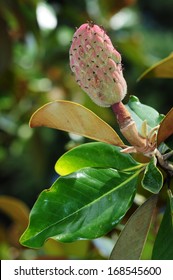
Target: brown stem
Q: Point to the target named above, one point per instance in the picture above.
(122, 114)
(127, 125)
(164, 163)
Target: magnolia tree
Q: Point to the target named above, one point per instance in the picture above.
(99, 180)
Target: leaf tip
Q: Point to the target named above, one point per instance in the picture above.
(26, 241)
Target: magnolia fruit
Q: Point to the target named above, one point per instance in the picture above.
(97, 65)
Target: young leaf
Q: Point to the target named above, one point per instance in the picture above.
(83, 205)
(163, 246)
(75, 118)
(94, 154)
(162, 69)
(166, 127)
(141, 112)
(153, 178)
(131, 241)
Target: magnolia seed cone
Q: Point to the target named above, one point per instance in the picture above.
(97, 65)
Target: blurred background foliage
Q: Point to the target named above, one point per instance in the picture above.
(35, 38)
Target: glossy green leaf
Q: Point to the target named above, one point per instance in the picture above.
(141, 112)
(131, 241)
(153, 178)
(83, 205)
(162, 69)
(72, 117)
(95, 155)
(166, 127)
(163, 246)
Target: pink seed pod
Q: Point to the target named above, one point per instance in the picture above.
(97, 65)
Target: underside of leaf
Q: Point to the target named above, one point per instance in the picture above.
(162, 69)
(132, 239)
(72, 117)
(166, 127)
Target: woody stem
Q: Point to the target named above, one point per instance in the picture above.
(163, 162)
(127, 125)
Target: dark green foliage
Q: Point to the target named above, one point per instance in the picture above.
(163, 247)
(34, 69)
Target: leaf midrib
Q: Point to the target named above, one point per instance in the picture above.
(87, 205)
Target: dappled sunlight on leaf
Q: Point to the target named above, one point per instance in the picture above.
(95, 155)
